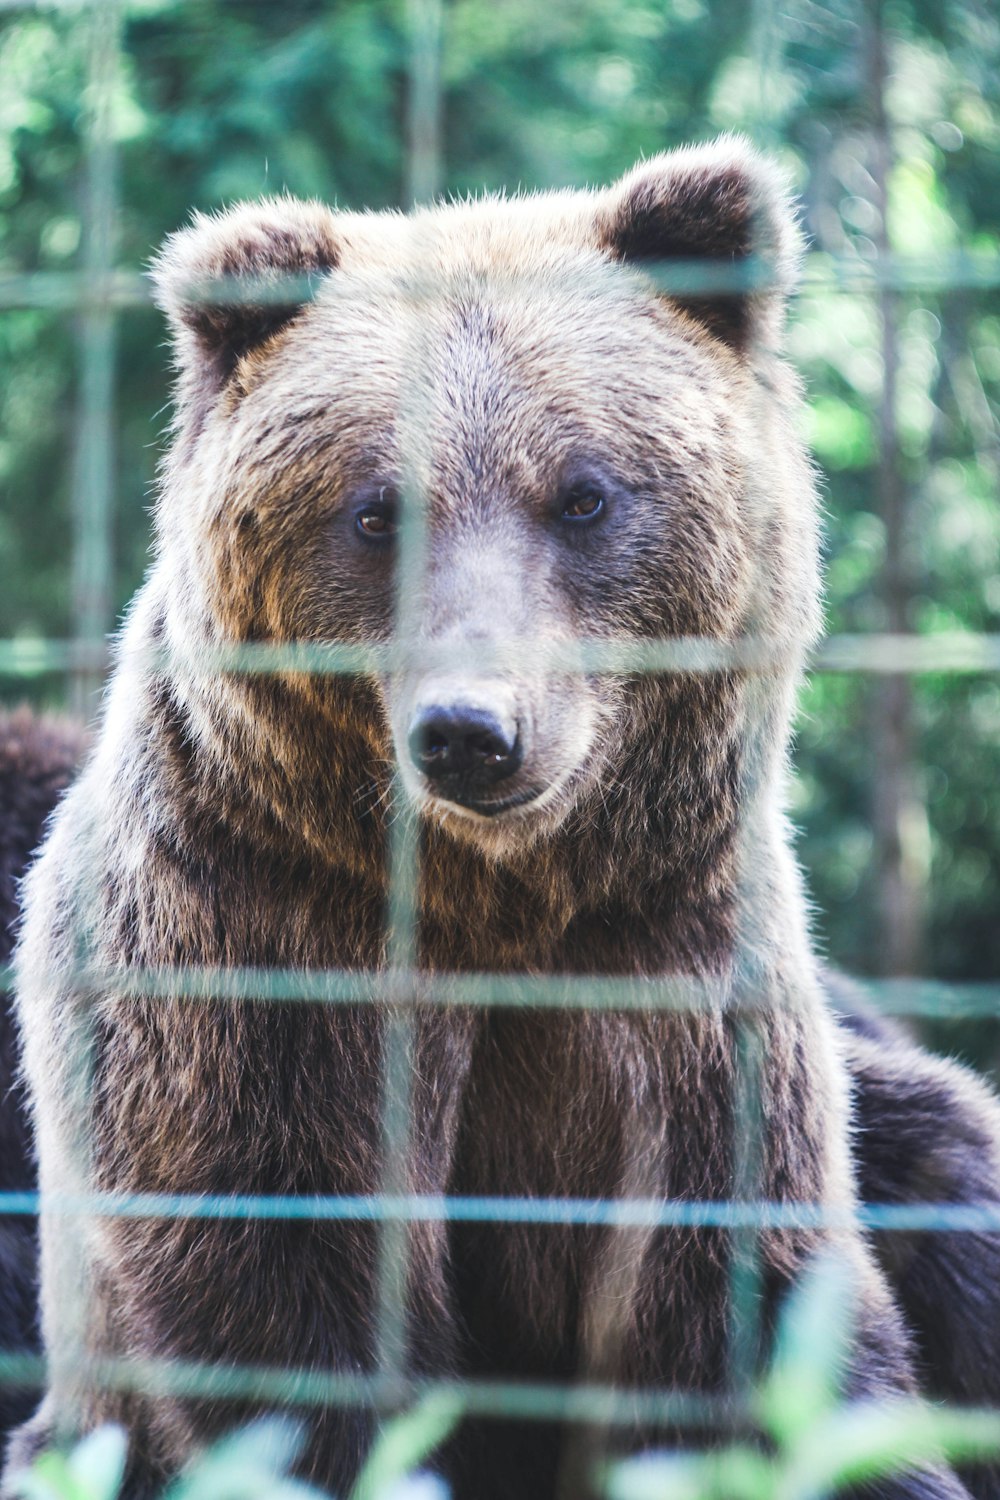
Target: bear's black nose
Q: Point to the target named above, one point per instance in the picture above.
(465, 748)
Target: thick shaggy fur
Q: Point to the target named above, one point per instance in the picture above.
(38, 757)
(494, 359)
(927, 1131)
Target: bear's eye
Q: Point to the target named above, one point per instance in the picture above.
(376, 519)
(583, 501)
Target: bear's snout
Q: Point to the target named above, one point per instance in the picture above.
(465, 740)
(464, 748)
(498, 759)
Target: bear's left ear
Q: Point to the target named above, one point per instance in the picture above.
(234, 279)
(723, 213)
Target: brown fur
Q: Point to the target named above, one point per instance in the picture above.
(482, 357)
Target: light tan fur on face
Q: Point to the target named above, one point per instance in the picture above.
(574, 356)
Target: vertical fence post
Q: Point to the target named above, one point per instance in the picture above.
(400, 1036)
(92, 511)
(765, 49)
(93, 469)
(898, 814)
(423, 103)
(751, 1029)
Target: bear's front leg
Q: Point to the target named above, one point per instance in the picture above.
(272, 1103)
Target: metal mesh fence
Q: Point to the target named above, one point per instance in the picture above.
(101, 292)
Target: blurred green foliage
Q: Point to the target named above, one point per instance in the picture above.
(801, 1440)
(816, 1442)
(252, 1463)
(223, 99)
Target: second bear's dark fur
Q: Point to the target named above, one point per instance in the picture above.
(38, 757)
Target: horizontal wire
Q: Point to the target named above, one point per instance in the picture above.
(401, 986)
(416, 1208)
(30, 657)
(927, 998)
(880, 653)
(120, 288)
(531, 1399)
(72, 291)
(886, 653)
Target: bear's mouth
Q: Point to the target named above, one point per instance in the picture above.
(492, 807)
(500, 826)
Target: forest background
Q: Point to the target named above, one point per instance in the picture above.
(887, 117)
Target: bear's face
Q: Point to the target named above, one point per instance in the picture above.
(487, 438)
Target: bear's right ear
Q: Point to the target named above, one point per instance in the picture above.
(233, 279)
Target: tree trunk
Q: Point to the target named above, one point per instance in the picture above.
(898, 814)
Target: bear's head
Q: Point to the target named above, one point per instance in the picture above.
(489, 432)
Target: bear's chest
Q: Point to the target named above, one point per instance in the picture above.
(576, 1105)
(569, 1118)
(247, 1097)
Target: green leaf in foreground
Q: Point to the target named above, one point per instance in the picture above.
(849, 1446)
(251, 1464)
(734, 1473)
(404, 1444)
(92, 1470)
(821, 1445)
(870, 1439)
(97, 1463)
(813, 1338)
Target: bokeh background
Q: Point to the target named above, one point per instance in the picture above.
(887, 117)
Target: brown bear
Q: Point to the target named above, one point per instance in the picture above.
(566, 444)
(39, 755)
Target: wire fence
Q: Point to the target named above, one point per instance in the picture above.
(100, 293)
